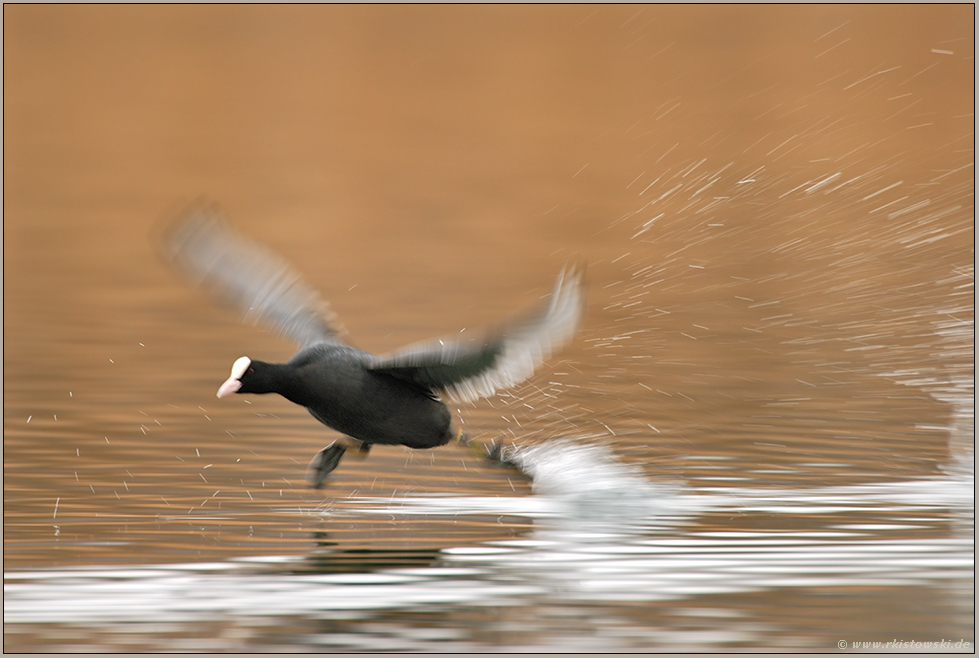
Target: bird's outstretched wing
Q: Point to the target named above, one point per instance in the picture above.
(238, 272)
(467, 371)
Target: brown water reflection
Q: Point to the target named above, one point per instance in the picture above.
(776, 205)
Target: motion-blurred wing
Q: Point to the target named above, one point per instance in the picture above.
(240, 273)
(507, 356)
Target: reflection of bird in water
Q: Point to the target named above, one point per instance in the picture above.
(392, 399)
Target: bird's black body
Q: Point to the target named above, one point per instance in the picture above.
(394, 399)
(336, 385)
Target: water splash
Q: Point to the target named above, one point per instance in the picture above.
(586, 484)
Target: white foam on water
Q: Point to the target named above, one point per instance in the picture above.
(602, 532)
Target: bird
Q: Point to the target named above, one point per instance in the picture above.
(397, 398)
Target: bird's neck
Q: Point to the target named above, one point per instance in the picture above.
(280, 378)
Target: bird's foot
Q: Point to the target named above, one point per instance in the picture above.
(495, 453)
(498, 455)
(325, 461)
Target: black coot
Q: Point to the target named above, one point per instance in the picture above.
(390, 399)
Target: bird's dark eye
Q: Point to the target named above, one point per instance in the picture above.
(251, 370)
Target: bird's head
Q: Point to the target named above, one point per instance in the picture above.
(240, 371)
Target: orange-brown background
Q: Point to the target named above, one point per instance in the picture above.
(775, 203)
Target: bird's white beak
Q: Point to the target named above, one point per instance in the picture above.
(229, 387)
(234, 381)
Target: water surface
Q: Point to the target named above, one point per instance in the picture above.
(761, 438)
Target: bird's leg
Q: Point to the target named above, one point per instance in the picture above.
(477, 450)
(363, 448)
(324, 463)
(496, 454)
(327, 459)
(493, 453)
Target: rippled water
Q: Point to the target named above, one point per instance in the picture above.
(762, 438)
